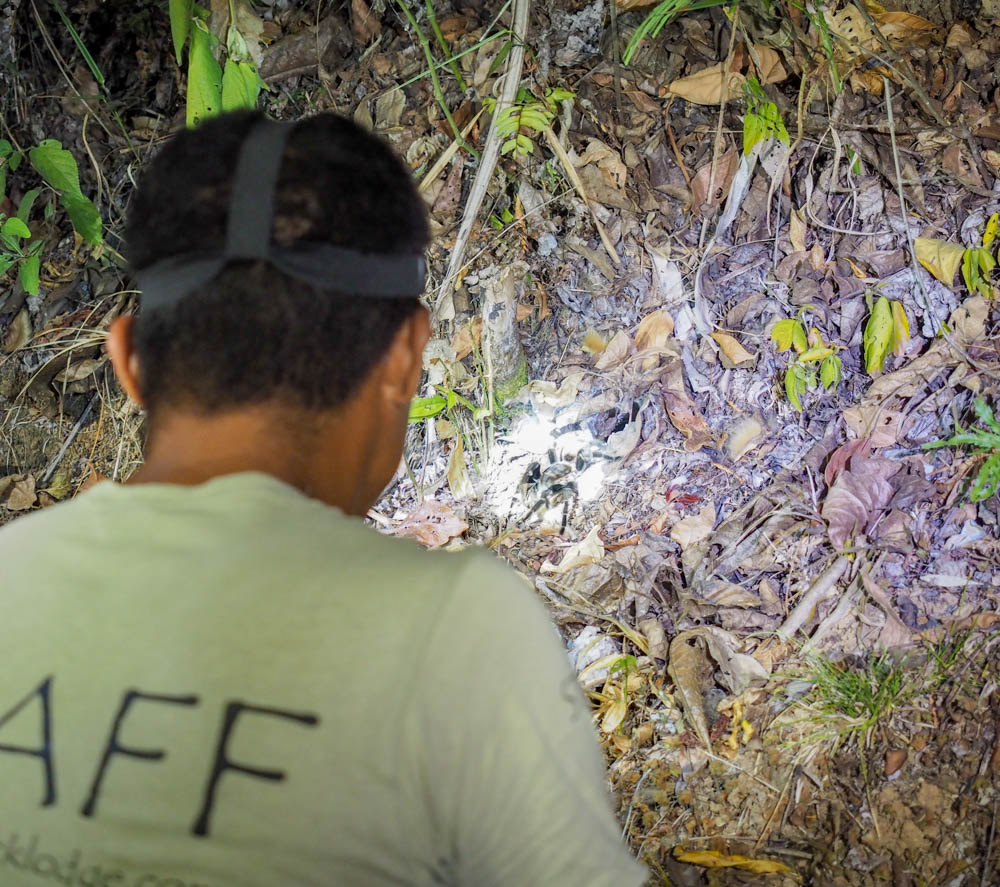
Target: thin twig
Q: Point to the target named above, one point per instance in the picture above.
(821, 588)
(577, 183)
(444, 308)
(447, 154)
(453, 63)
(74, 431)
(438, 92)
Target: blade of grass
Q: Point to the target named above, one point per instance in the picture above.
(432, 18)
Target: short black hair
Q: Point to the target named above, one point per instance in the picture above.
(254, 334)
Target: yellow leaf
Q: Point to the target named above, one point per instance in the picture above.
(616, 710)
(654, 331)
(712, 859)
(783, 333)
(939, 257)
(878, 335)
(732, 349)
(709, 86)
(904, 27)
(992, 226)
(900, 328)
(594, 342)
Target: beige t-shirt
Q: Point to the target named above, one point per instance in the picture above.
(233, 685)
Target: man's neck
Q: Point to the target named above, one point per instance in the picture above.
(189, 448)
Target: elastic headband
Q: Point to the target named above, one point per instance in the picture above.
(248, 238)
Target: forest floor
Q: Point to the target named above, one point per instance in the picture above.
(787, 615)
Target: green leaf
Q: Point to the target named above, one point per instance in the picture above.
(789, 333)
(830, 372)
(14, 227)
(987, 481)
(753, 131)
(28, 274)
(878, 335)
(6, 260)
(985, 414)
(204, 88)
(5, 148)
(26, 204)
(180, 24)
(427, 407)
(795, 385)
(15, 161)
(240, 86)
(990, 234)
(85, 217)
(56, 165)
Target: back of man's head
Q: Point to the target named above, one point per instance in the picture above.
(253, 334)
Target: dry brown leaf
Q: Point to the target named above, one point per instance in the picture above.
(733, 351)
(743, 437)
(433, 524)
(691, 672)
(21, 494)
(904, 27)
(842, 455)
(684, 416)
(615, 352)
(654, 331)
(589, 550)
(458, 475)
(656, 638)
(857, 497)
(797, 230)
(875, 423)
(770, 69)
(710, 86)
(724, 174)
(365, 26)
(694, 528)
(468, 338)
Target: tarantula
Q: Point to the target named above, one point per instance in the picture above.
(550, 482)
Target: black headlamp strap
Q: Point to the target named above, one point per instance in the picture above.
(251, 204)
(248, 237)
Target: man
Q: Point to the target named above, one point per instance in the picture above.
(216, 675)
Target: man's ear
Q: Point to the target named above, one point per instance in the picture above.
(123, 357)
(404, 362)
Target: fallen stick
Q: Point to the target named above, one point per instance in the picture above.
(824, 585)
(444, 306)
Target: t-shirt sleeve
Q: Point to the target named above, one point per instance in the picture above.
(514, 778)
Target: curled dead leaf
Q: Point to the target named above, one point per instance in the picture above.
(713, 859)
(654, 331)
(589, 550)
(744, 436)
(710, 86)
(694, 528)
(725, 172)
(732, 351)
(691, 673)
(433, 524)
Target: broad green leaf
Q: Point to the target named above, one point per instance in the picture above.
(970, 270)
(6, 260)
(830, 372)
(28, 274)
(15, 161)
(56, 165)
(180, 24)
(795, 385)
(204, 88)
(559, 94)
(14, 227)
(5, 148)
(900, 328)
(427, 407)
(240, 86)
(988, 480)
(27, 203)
(789, 333)
(992, 227)
(85, 217)
(878, 335)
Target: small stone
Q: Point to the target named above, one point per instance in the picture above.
(894, 759)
